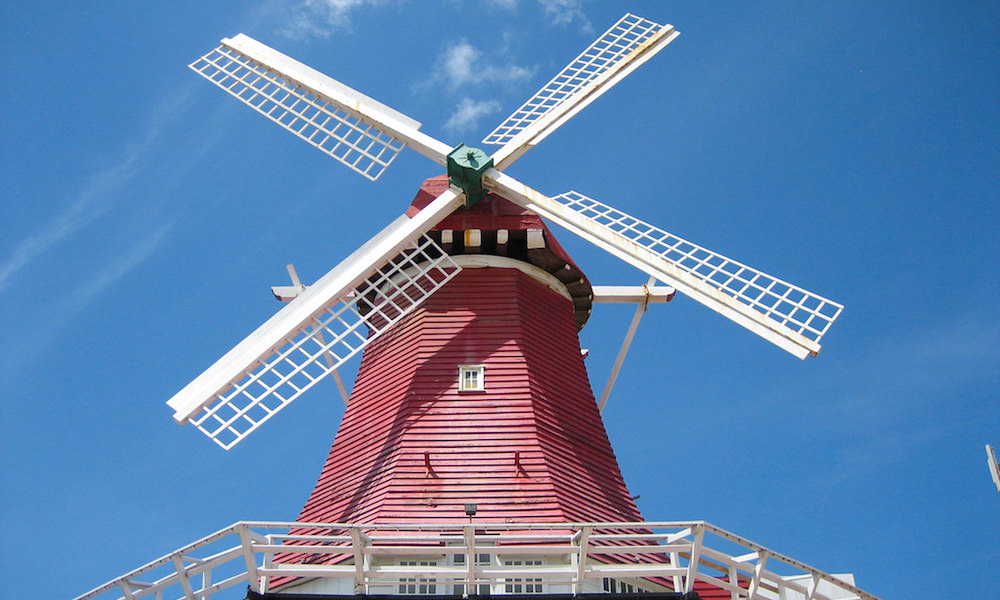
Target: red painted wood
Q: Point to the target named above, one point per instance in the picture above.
(531, 448)
(538, 404)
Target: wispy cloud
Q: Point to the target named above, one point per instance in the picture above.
(98, 195)
(462, 65)
(64, 307)
(320, 18)
(566, 12)
(908, 392)
(115, 269)
(468, 113)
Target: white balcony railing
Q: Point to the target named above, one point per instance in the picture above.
(453, 558)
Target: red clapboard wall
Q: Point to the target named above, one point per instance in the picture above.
(531, 447)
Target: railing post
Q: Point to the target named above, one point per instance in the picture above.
(469, 533)
(758, 572)
(360, 561)
(178, 561)
(813, 586)
(581, 556)
(126, 590)
(253, 578)
(699, 534)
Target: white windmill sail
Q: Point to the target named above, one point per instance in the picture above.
(358, 131)
(620, 50)
(322, 328)
(784, 314)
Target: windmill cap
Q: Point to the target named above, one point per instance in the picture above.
(506, 229)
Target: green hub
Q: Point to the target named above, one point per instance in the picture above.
(465, 170)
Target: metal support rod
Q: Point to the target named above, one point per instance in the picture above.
(643, 306)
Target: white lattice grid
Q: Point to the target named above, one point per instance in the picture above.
(623, 37)
(303, 111)
(321, 345)
(790, 306)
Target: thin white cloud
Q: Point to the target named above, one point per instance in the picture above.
(506, 4)
(461, 65)
(120, 265)
(97, 196)
(917, 373)
(64, 307)
(566, 12)
(320, 18)
(468, 113)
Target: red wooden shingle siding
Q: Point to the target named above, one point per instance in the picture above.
(406, 410)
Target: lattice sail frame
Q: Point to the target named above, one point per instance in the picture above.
(612, 47)
(328, 339)
(302, 110)
(791, 307)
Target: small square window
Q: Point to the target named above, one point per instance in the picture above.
(470, 378)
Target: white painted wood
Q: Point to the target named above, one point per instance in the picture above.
(624, 47)
(753, 589)
(287, 293)
(480, 261)
(694, 558)
(991, 461)
(671, 273)
(536, 239)
(183, 577)
(337, 283)
(626, 343)
(315, 107)
(245, 551)
(633, 294)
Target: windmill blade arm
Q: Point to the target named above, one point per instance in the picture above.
(620, 50)
(347, 125)
(370, 290)
(784, 314)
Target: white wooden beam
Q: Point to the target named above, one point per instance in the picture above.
(627, 342)
(628, 294)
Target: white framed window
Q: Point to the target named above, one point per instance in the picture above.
(471, 378)
(417, 585)
(523, 585)
(482, 560)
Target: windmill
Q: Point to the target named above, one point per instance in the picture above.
(471, 428)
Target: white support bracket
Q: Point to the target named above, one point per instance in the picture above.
(991, 461)
(753, 590)
(287, 293)
(694, 559)
(185, 582)
(643, 296)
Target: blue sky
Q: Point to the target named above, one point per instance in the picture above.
(850, 148)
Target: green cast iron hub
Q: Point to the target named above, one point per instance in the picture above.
(465, 170)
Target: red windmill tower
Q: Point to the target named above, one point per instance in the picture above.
(471, 458)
